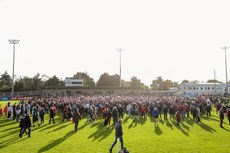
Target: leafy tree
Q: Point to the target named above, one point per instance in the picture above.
(184, 81)
(157, 84)
(136, 83)
(53, 81)
(167, 84)
(5, 82)
(37, 81)
(160, 84)
(20, 85)
(108, 80)
(88, 81)
(125, 83)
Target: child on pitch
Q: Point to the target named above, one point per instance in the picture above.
(155, 114)
(178, 118)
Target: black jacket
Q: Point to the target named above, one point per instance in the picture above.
(22, 122)
(119, 131)
(27, 121)
(221, 115)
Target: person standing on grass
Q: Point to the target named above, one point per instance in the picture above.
(115, 115)
(172, 111)
(221, 117)
(165, 111)
(198, 114)
(194, 112)
(5, 110)
(22, 125)
(76, 118)
(208, 109)
(107, 116)
(9, 111)
(143, 111)
(52, 113)
(178, 118)
(118, 135)
(155, 114)
(42, 114)
(27, 125)
(120, 111)
(65, 113)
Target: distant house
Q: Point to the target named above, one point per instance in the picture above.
(197, 89)
(72, 82)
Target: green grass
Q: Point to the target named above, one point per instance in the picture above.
(140, 137)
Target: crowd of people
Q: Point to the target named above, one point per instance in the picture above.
(112, 109)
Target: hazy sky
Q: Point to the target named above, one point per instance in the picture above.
(175, 39)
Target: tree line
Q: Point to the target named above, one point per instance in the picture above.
(38, 81)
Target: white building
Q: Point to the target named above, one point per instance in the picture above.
(70, 81)
(197, 89)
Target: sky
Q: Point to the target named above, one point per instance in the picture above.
(174, 39)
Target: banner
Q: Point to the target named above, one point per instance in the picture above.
(4, 98)
(16, 98)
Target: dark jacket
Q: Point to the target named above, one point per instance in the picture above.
(27, 121)
(22, 122)
(119, 131)
(76, 117)
(221, 115)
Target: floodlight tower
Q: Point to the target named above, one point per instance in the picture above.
(13, 41)
(120, 50)
(225, 49)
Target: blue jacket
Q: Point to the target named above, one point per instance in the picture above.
(155, 112)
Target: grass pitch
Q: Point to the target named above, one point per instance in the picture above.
(139, 137)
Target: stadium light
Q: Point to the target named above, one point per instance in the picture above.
(120, 50)
(13, 41)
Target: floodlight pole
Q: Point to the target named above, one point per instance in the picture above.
(13, 41)
(225, 49)
(120, 50)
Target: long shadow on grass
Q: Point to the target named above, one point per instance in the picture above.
(161, 121)
(83, 126)
(8, 123)
(95, 124)
(125, 120)
(142, 121)
(9, 129)
(59, 128)
(158, 131)
(10, 141)
(189, 121)
(56, 142)
(213, 119)
(180, 128)
(130, 125)
(10, 133)
(50, 126)
(101, 133)
(206, 127)
(185, 126)
(169, 125)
